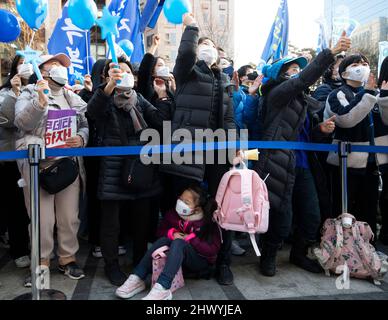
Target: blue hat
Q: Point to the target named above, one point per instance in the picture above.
(272, 71)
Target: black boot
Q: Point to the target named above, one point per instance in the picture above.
(298, 256)
(224, 275)
(114, 274)
(268, 259)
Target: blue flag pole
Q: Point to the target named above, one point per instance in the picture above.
(277, 43)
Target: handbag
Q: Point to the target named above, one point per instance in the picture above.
(59, 175)
(159, 261)
(135, 176)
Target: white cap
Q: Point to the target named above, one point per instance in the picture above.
(62, 58)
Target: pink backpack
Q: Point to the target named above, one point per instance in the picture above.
(349, 246)
(243, 204)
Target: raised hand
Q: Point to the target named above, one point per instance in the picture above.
(344, 43)
(42, 86)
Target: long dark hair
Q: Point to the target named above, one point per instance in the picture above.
(119, 60)
(208, 206)
(97, 74)
(383, 72)
(12, 73)
(327, 76)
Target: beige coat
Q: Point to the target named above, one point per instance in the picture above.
(31, 121)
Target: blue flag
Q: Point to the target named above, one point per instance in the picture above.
(156, 15)
(277, 43)
(75, 42)
(129, 25)
(322, 40)
(148, 12)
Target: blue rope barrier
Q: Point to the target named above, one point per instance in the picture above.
(176, 148)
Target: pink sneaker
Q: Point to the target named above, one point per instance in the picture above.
(158, 293)
(131, 287)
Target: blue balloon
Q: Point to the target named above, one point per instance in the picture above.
(83, 13)
(175, 9)
(9, 26)
(127, 47)
(33, 12)
(91, 61)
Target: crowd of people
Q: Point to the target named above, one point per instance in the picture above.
(173, 204)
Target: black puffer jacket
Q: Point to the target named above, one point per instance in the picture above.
(201, 102)
(106, 116)
(286, 109)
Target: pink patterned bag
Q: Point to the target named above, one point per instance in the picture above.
(350, 245)
(159, 261)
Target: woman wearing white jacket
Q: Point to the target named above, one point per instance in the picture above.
(361, 119)
(37, 116)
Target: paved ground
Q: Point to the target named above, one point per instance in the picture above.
(290, 283)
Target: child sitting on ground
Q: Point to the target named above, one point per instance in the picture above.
(194, 240)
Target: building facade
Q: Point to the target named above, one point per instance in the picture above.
(215, 19)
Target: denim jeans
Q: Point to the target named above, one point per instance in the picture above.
(305, 205)
(180, 254)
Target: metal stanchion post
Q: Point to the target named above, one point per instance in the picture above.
(37, 272)
(343, 154)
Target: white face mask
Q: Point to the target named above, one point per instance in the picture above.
(183, 209)
(208, 54)
(163, 72)
(25, 70)
(127, 82)
(359, 73)
(59, 74)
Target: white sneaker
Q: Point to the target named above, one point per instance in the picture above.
(158, 293)
(23, 262)
(131, 287)
(236, 249)
(122, 251)
(97, 252)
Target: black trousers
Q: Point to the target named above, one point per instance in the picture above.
(92, 165)
(139, 223)
(213, 176)
(384, 205)
(363, 194)
(305, 206)
(13, 210)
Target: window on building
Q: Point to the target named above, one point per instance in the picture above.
(222, 19)
(222, 7)
(97, 45)
(149, 40)
(206, 17)
(173, 39)
(173, 55)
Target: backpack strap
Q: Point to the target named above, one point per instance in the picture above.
(362, 248)
(160, 253)
(246, 212)
(339, 243)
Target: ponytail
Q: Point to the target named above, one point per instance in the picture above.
(208, 206)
